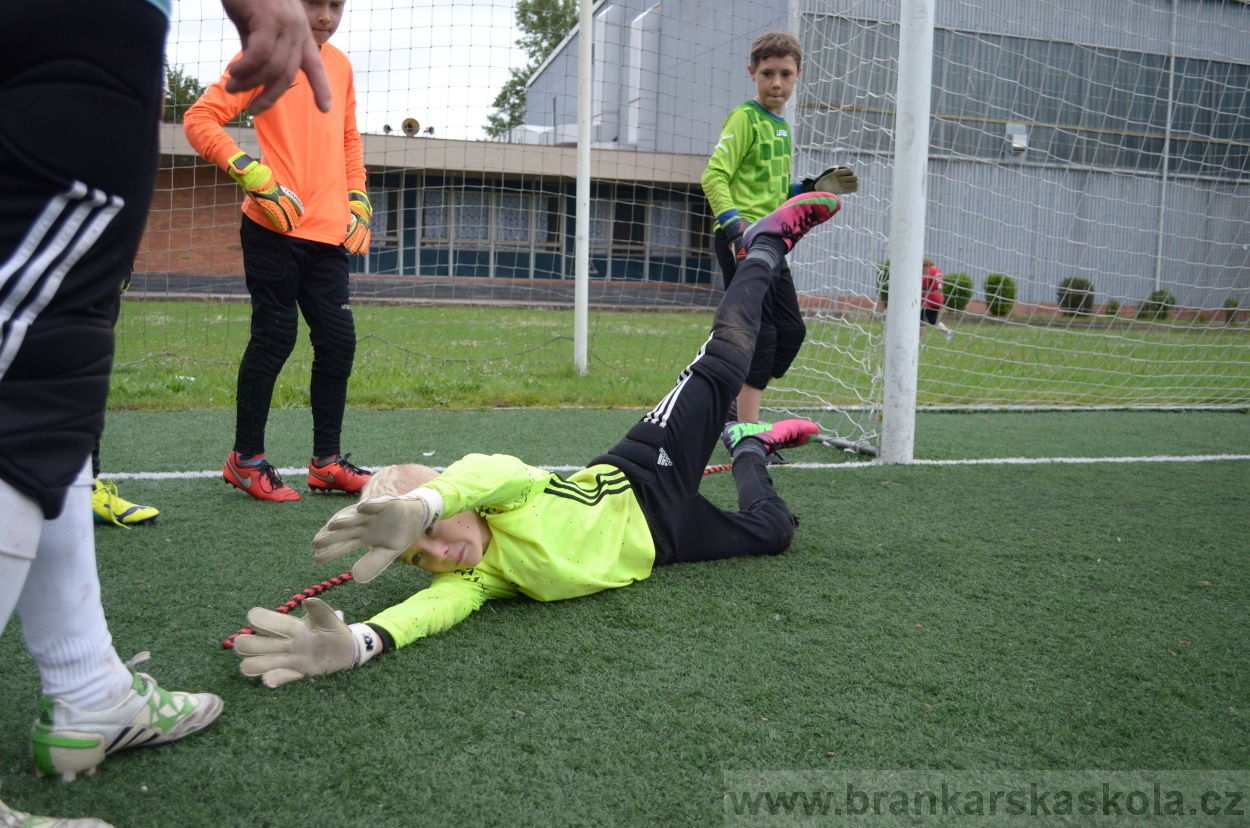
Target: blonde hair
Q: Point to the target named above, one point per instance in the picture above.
(928, 263)
(399, 479)
(776, 44)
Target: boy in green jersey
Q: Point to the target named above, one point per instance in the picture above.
(512, 529)
(747, 177)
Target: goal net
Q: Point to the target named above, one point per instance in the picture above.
(1088, 194)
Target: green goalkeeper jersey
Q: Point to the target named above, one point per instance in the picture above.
(550, 539)
(748, 173)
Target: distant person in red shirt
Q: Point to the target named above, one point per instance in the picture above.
(932, 299)
(305, 210)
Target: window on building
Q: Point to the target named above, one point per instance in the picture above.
(512, 218)
(547, 220)
(472, 216)
(385, 221)
(629, 222)
(434, 215)
(1082, 105)
(668, 223)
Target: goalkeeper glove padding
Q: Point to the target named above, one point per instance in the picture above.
(284, 649)
(836, 180)
(358, 233)
(387, 524)
(282, 207)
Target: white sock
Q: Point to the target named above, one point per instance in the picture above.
(62, 617)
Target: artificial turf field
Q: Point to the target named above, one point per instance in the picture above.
(995, 616)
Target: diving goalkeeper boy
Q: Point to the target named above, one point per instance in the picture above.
(493, 527)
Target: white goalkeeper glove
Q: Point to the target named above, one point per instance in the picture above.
(836, 180)
(284, 649)
(387, 524)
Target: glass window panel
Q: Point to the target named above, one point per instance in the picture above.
(666, 223)
(513, 218)
(630, 224)
(598, 222)
(434, 214)
(472, 216)
(384, 224)
(547, 219)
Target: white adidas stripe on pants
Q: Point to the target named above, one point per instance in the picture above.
(62, 234)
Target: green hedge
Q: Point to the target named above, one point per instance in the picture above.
(1157, 307)
(1076, 296)
(1000, 294)
(957, 291)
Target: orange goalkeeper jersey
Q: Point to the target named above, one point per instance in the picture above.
(315, 154)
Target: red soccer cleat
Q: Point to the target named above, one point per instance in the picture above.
(791, 221)
(336, 475)
(261, 481)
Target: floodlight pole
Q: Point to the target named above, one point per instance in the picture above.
(581, 239)
(907, 230)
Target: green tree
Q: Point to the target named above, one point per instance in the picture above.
(182, 90)
(543, 24)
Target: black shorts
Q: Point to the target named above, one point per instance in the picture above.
(80, 105)
(929, 315)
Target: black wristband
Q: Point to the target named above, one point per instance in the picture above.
(388, 643)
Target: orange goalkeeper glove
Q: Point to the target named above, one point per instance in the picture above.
(358, 233)
(282, 207)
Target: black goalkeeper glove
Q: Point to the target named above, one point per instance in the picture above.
(734, 228)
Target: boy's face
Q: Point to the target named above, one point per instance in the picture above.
(457, 542)
(324, 16)
(774, 81)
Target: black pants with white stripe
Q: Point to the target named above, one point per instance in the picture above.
(80, 104)
(665, 453)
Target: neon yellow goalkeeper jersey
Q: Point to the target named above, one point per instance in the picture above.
(550, 539)
(749, 170)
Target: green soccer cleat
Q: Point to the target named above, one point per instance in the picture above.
(779, 435)
(66, 741)
(110, 507)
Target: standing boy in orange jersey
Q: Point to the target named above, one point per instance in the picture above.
(305, 210)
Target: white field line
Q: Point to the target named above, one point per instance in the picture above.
(987, 461)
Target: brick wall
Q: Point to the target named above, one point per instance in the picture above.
(193, 227)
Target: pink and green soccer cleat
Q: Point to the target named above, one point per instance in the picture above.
(793, 219)
(774, 436)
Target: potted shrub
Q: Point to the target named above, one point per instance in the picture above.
(883, 281)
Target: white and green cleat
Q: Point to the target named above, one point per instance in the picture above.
(9, 818)
(66, 741)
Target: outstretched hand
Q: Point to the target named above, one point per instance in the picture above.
(277, 43)
(836, 180)
(284, 649)
(387, 525)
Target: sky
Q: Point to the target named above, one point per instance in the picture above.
(434, 60)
